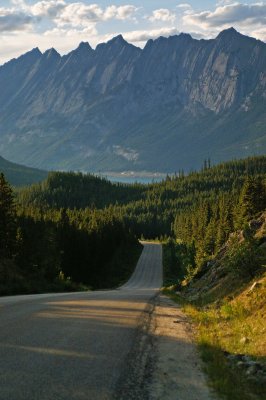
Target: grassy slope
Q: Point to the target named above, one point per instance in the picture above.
(234, 325)
(19, 175)
(230, 320)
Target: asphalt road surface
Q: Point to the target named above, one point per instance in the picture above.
(80, 345)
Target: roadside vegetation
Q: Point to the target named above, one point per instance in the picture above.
(222, 287)
(230, 333)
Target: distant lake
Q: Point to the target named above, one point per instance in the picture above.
(126, 178)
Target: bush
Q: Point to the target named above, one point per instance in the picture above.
(243, 259)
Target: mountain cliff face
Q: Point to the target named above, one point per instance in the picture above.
(169, 106)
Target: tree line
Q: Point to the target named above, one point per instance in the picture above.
(60, 227)
(60, 249)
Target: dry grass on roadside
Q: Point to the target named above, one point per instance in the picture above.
(233, 324)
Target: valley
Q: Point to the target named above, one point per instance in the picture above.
(135, 237)
(79, 233)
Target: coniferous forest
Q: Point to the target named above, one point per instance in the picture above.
(75, 231)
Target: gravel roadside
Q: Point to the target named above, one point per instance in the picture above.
(177, 373)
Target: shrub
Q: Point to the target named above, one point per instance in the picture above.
(243, 259)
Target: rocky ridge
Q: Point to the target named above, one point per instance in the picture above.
(164, 107)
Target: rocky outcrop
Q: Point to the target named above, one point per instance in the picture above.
(254, 371)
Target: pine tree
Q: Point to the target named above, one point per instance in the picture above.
(7, 219)
(252, 200)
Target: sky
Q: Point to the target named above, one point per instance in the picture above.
(63, 24)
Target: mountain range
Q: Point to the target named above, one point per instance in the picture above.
(117, 107)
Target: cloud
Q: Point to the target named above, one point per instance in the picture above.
(61, 32)
(61, 13)
(14, 21)
(184, 6)
(81, 14)
(47, 8)
(260, 33)
(19, 3)
(231, 14)
(223, 2)
(121, 12)
(162, 14)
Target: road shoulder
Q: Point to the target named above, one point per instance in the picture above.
(177, 373)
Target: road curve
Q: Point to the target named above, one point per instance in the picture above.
(74, 346)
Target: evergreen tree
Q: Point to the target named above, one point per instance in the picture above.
(7, 219)
(252, 200)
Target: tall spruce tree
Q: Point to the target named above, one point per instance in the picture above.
(7, 219)
(252, 200)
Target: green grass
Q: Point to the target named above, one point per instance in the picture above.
(228, 382)
(222, 318)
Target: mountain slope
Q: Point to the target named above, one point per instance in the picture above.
(18, 175)
(169, 106)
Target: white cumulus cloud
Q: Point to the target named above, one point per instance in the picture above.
(81, 14)
(229, 14)
(121, 12)
(47, 8)
(162, 14)
(61, 12)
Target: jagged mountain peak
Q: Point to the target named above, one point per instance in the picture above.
(119, 39)
(31, 55)
(82, 52)
(232, 40)
(84, 46)
(185, 36)
(231, 34)
(35, 51)
(161, 40)
(51, 54)
(116, 43)
(228, 32)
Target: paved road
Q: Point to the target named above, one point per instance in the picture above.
(75, 346)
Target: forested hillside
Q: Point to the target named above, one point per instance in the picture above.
(77, 190)
(82, 227)
(149, 210)
(57, 249)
